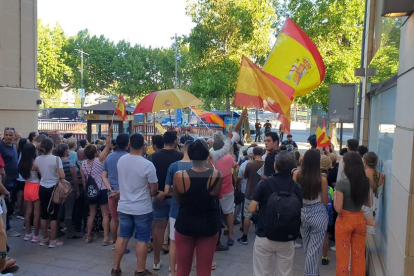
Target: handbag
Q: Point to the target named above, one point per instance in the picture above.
(91, 189)
(62, 189)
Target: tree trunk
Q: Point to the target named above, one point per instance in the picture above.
(333, 135)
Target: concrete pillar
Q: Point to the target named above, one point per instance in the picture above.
(400, 244)
(18, 65)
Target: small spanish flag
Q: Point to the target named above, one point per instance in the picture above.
(120, 108)
(209, 117)
(322, 139)
(285, 121)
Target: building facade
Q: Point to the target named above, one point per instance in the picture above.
(18, 65)
(388, 129)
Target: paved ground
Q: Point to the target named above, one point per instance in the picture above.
(78, 259)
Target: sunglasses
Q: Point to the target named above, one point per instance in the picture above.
(9, 128)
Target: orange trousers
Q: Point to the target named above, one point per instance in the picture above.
(350, 234)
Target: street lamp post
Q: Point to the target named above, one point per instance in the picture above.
(83, 93)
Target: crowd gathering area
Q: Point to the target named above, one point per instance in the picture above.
(189, 197)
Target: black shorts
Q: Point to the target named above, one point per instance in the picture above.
(47, 212)
(20, 186)
(101, 200)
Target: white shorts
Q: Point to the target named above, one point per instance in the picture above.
(172, 229)
(227, 203)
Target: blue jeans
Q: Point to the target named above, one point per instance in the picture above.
(141, 224)
(162, 208)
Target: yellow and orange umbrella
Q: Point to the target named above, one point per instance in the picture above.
(166, 100)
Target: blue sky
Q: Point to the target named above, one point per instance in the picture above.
(145, 22)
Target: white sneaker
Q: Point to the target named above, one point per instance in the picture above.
(333, 248)
(298, 245)
(156, 266)
(28, 237)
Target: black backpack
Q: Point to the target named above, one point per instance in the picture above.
(91, 190)
(283, 212)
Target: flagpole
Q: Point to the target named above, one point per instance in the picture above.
(113, 115)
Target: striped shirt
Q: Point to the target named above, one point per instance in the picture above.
(67, 165)
(94, 169)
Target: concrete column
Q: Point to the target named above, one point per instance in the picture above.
(400, 244)
(18, 65)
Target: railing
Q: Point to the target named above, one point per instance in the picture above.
(73, 127)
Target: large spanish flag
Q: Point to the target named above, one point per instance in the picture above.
(260, 90)
(209, 117)
(295, 61)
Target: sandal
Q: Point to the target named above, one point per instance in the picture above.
(88, 240)
(106, 243)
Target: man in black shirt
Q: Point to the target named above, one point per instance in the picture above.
(272, 148)
(162, 160)
(265, 249)
(267, 126)
(258, 126)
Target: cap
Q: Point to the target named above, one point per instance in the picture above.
(289, 135)
(250, 151)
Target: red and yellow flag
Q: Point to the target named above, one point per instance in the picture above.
(209, 117)
(322, 139)
(260, 90)
(120, 108)
(295, 61)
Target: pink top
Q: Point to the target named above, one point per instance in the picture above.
(225, 165)
(95, 169)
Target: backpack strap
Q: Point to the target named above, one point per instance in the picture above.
(275, 189)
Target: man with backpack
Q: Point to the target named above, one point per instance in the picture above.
(278, 200)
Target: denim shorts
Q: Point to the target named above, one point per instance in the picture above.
(161, 209)
(140, 224)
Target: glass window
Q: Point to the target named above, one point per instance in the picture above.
(381, 140)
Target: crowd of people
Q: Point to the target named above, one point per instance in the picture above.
(180, 195)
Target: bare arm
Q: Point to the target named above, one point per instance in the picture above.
(253, 206)
(61, 173)
(153, 188)
(338, 201)
(167, 189)
(239, 123)
(217, 188)
(83, 179)
(105, 152)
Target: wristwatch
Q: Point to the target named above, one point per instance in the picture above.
(3, 254)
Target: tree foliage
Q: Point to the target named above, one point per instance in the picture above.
(225, 30)
(52, 72)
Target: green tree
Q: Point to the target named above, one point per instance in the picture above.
(52, 72)
(225, 30)
(99, 75)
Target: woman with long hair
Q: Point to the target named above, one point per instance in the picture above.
(198, 221)
(32, 136)
(376, 178)
(350, 230)
(93, 167)
(69, 167)
(31, 191)
(51, 170)
(314, 215)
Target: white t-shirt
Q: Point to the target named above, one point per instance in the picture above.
(134, 174)
(46, 165)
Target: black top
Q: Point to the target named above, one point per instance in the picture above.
(162, 160)
(198, 215)
(9, 154)
(332, 174)
(258, 125)
(267, 126)
(263, 191)
(269, 167)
